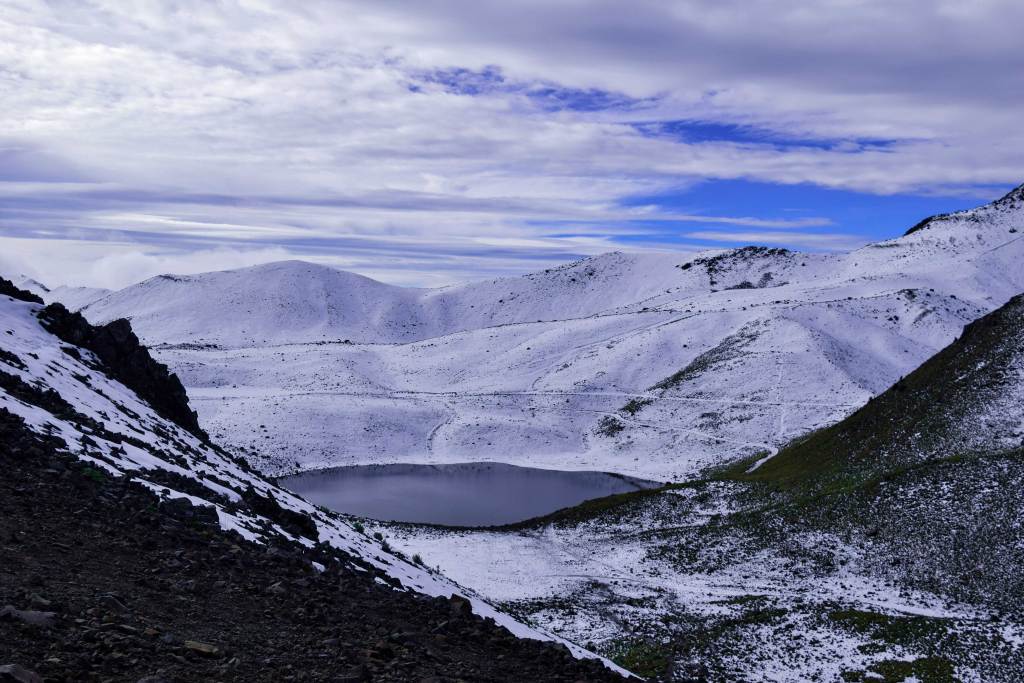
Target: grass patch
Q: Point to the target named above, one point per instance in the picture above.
(590, 509)
(739, 600)
(96, 475)
(923, 669)
(609, 426)
(897, 630)
(642, 657)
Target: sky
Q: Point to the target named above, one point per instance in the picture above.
(425, 142)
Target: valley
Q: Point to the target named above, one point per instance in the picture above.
(837, 440)
(511, 342)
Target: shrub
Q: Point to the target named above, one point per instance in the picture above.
(635, 405)
(609, 426)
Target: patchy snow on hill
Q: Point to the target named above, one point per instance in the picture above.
(885, 547)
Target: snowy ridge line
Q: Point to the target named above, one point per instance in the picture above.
(752, 345)
(112, 429)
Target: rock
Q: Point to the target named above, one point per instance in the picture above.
(38, 601)
(8, 288)
(13, 672)
(30, 617)
(460, 604)
(116, 345)
(204, 649)
(289, 520)
(110, 601)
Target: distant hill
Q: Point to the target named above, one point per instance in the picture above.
(652, 364)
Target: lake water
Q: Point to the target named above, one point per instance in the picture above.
(470, 494)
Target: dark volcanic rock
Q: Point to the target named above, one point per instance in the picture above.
(142, 591)
(126, 360)
(18, 674)
(293, 522)
(27, 616)
(8, 288)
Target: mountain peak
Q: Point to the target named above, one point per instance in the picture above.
(1011, 201)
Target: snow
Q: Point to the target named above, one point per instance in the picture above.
(603, 578)
(141, 442)
(305, 366)
(302, 366)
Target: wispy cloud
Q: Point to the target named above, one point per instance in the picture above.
(453, 140)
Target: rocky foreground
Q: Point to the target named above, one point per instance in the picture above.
(102, 580)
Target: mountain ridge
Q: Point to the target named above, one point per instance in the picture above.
(1011, 200)
(539, 369)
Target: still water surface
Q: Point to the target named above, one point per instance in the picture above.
(470, 494)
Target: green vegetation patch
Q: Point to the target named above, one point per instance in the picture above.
(642, 657)
(899, 630)
(635, 405)
(923, 669)
(96, 475)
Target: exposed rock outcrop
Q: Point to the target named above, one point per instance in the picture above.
(125, 359)
(8, 288)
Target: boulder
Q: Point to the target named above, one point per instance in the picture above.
(19, 674)
(28, 616)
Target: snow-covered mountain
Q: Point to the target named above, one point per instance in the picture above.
(650, 364)
(884, 547)
(98, 391)
(72, 297)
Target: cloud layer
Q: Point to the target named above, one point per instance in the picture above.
(426, 142)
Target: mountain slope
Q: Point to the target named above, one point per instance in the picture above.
(966, 399)
(885, 547)
(692, 361)
(61, 400)
(277, 303)
(932, 469)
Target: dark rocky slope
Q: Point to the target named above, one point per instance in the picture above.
(125, 359)
(101, 580)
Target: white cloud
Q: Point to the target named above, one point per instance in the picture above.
(264, 126)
